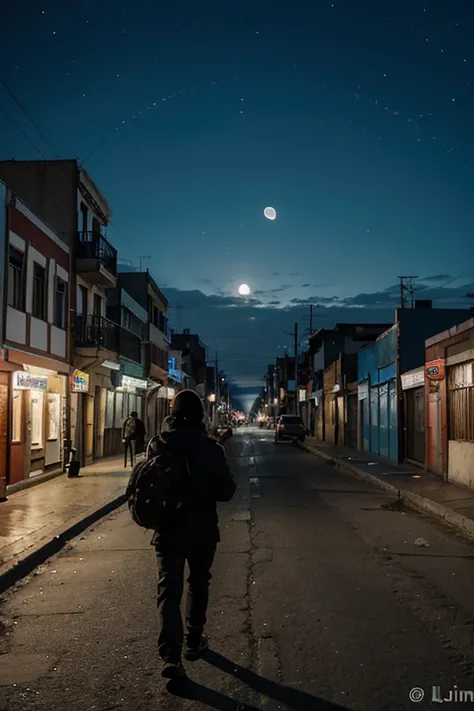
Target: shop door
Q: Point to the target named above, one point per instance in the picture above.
(365, 424)
(384, 432)
(374, 420)
(415, 424)
(351, 429)
(89, 429)
(393, 420)
(435, 461)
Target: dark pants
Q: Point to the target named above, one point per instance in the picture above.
(130, 445)
(171, 562)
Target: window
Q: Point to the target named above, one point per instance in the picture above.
(118, 410)
(461, 402)
(97, 305)
(127, 319)
(17, 416)
(60, 304)
(54, 416)
(16, 281)
(83, 218)
(39, 292)
(109, 410)
(81, 300)
(36, 419)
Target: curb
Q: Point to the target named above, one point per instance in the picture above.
(414, 501)
(54, 545)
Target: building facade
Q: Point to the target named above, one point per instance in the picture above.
(35, 362)
(325, 347)
(64, 195)
(156, 345)
(131, 380)
(449, 384)
(384, 367)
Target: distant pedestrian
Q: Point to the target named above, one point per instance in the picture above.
(192, 535)
(133, 437)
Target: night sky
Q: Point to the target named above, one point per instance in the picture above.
(352, 118)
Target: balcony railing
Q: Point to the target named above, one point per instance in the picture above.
(95, 332)
(93, 245)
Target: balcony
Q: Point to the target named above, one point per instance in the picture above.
(96, 332)
(96, 259)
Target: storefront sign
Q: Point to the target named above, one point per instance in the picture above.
(435, 369)
(79, 382)
(129, 383)
(413, 379)
(23, 380)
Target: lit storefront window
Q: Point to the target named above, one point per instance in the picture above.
(109, 410)
(17, 416)
(54, 415)
(37, 419)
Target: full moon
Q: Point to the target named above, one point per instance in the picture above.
(270, 213)
(244, 290)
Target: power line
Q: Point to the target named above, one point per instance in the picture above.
(25, 135)
(33, 123)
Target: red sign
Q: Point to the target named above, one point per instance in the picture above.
(435, 369)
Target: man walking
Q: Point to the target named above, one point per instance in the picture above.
(133, 436)
(192, 537)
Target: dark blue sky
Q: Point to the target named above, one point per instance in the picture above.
(353, 119)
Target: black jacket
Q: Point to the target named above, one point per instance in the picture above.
(210, 481)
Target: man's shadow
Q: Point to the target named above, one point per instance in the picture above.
(289, 697)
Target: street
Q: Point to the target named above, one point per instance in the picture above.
(321, 599)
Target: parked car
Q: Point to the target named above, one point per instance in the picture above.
(290, 427)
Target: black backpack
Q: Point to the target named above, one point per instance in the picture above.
(156, 488)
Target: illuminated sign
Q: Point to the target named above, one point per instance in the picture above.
(435, 369)
(173, 371)
(79, 382)
(132, 383)
(24, 381)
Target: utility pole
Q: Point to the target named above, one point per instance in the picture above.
(297, 405)
(406, 286)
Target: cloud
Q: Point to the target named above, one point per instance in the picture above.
(275, 274)
(322, 300)
(438, 278)
(247, 346)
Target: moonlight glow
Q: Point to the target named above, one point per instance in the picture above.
(244, 290)
(270, 213)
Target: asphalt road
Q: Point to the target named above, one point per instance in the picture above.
(321, 600)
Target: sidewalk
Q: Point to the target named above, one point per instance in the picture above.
(419, 489)
(37, 522)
